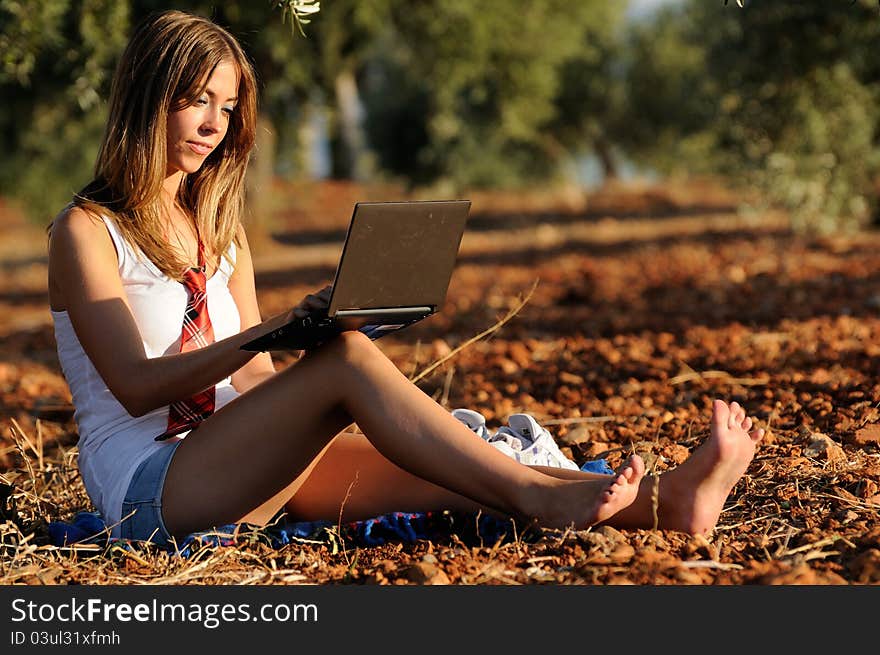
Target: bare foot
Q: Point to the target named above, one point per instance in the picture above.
(622, 491)
(693, 494)
(583, 503)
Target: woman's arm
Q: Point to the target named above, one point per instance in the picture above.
(84, 280)
(243, 290)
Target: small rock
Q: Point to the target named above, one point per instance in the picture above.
(592, 539)
(699, 545)
(867, 489)
(426, 574)
(869, 434)
(597, 448)
(866, 567)
(736, 274)
(871, 539)
(508, 366)
(520, 354)
(441, 348)
(676, 452)
(655, 540)
(824, 447)
(571, 378)
(686, 576)
(577, 435)
(612, 535)
(801, 574)
(622, 554)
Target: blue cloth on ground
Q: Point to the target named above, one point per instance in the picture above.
(407, 527)
(597, 466)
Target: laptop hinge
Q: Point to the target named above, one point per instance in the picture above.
(390, 311)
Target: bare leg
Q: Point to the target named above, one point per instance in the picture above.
(356, 481)
(692, 495)
(264, 444)
(352, 473)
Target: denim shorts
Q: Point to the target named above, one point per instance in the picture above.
(142, 507)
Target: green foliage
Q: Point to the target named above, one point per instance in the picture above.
(477, 91)
(28, 30)
(297, 12)
(821, 161)
(453, 91)
(779, 96)
(57, 59)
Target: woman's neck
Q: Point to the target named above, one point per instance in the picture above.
(171, 185)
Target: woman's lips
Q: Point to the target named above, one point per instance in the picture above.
(199, 148)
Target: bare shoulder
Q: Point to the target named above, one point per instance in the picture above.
(75, 223)
(242, 249)
(241, 237)
(78, 242)
(79, 233)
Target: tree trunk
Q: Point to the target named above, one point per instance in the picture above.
(350, 151)
(312, 156)
(606, 158)
(258, 185)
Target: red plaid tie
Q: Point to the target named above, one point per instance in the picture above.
(186, 414)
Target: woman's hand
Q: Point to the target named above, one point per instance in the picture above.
(314, 302)
(311, 303)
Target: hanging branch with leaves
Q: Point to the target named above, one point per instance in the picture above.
(299, 12)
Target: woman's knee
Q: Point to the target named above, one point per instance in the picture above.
(350, 347)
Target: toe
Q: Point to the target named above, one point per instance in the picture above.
(733, 416)
(637, 464)
(720, 413)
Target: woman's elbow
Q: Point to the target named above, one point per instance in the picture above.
(133, 405)
(134, 401)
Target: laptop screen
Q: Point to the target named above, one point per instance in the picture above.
(398, 255)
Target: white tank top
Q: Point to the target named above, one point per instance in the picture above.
(112, 443)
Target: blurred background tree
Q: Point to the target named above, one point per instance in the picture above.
(57, 58)
(465, 97)
(455, 95)
(780, 97)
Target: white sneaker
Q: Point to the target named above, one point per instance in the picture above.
(522, 439)
(474, 420)
(538, 446)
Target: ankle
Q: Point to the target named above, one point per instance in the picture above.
(536, 501)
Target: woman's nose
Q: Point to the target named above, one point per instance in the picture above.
(213, 121)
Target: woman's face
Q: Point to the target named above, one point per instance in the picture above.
(194, 131)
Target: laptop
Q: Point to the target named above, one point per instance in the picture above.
(395, 268)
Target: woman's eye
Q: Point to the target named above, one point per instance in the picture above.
(202, 101)
(229, 110)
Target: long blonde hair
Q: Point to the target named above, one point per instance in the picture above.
(165, 68)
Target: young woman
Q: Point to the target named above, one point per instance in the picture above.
(151, 287)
